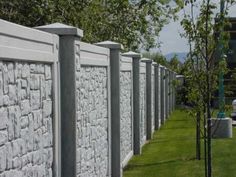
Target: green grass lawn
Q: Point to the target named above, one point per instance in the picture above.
(171, 153)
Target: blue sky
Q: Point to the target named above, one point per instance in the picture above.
(170, 35)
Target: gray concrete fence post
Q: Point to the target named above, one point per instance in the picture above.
(115, 57)
(148, 96)
(174, 95)
(157, 89)
(166, 93)
(162, 102)
(169, 93)
(136, 100)
(69, 61)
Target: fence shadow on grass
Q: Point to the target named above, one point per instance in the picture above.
(165, 162)
(167, 140)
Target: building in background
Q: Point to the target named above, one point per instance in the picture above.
(230, 77)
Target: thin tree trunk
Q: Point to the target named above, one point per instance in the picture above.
(209, 169)
(205, 143)
(198, 136)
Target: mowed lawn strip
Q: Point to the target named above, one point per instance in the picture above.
(171, 153)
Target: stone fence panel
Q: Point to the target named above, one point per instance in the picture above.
(126, 109)
(29, 102)
(143, 125)
(93, 119)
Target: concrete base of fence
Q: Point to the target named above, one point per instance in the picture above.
(222, 128)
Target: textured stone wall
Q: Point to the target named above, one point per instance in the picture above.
(143, 125)
(26, 128)
(92, 122)
(126, 113)
(153, 103)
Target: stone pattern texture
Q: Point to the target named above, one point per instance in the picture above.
(153, 103)
(126, 113)
(92, 122)
(26, 123)
(143, 125)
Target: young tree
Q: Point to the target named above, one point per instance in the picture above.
(175, 64)
(202, 76)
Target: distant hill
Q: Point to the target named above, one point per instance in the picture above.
(181, 56)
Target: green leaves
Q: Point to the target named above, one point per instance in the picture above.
(134, 23)
(204, 33)
(157, 57)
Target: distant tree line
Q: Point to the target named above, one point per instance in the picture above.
(174, 63)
